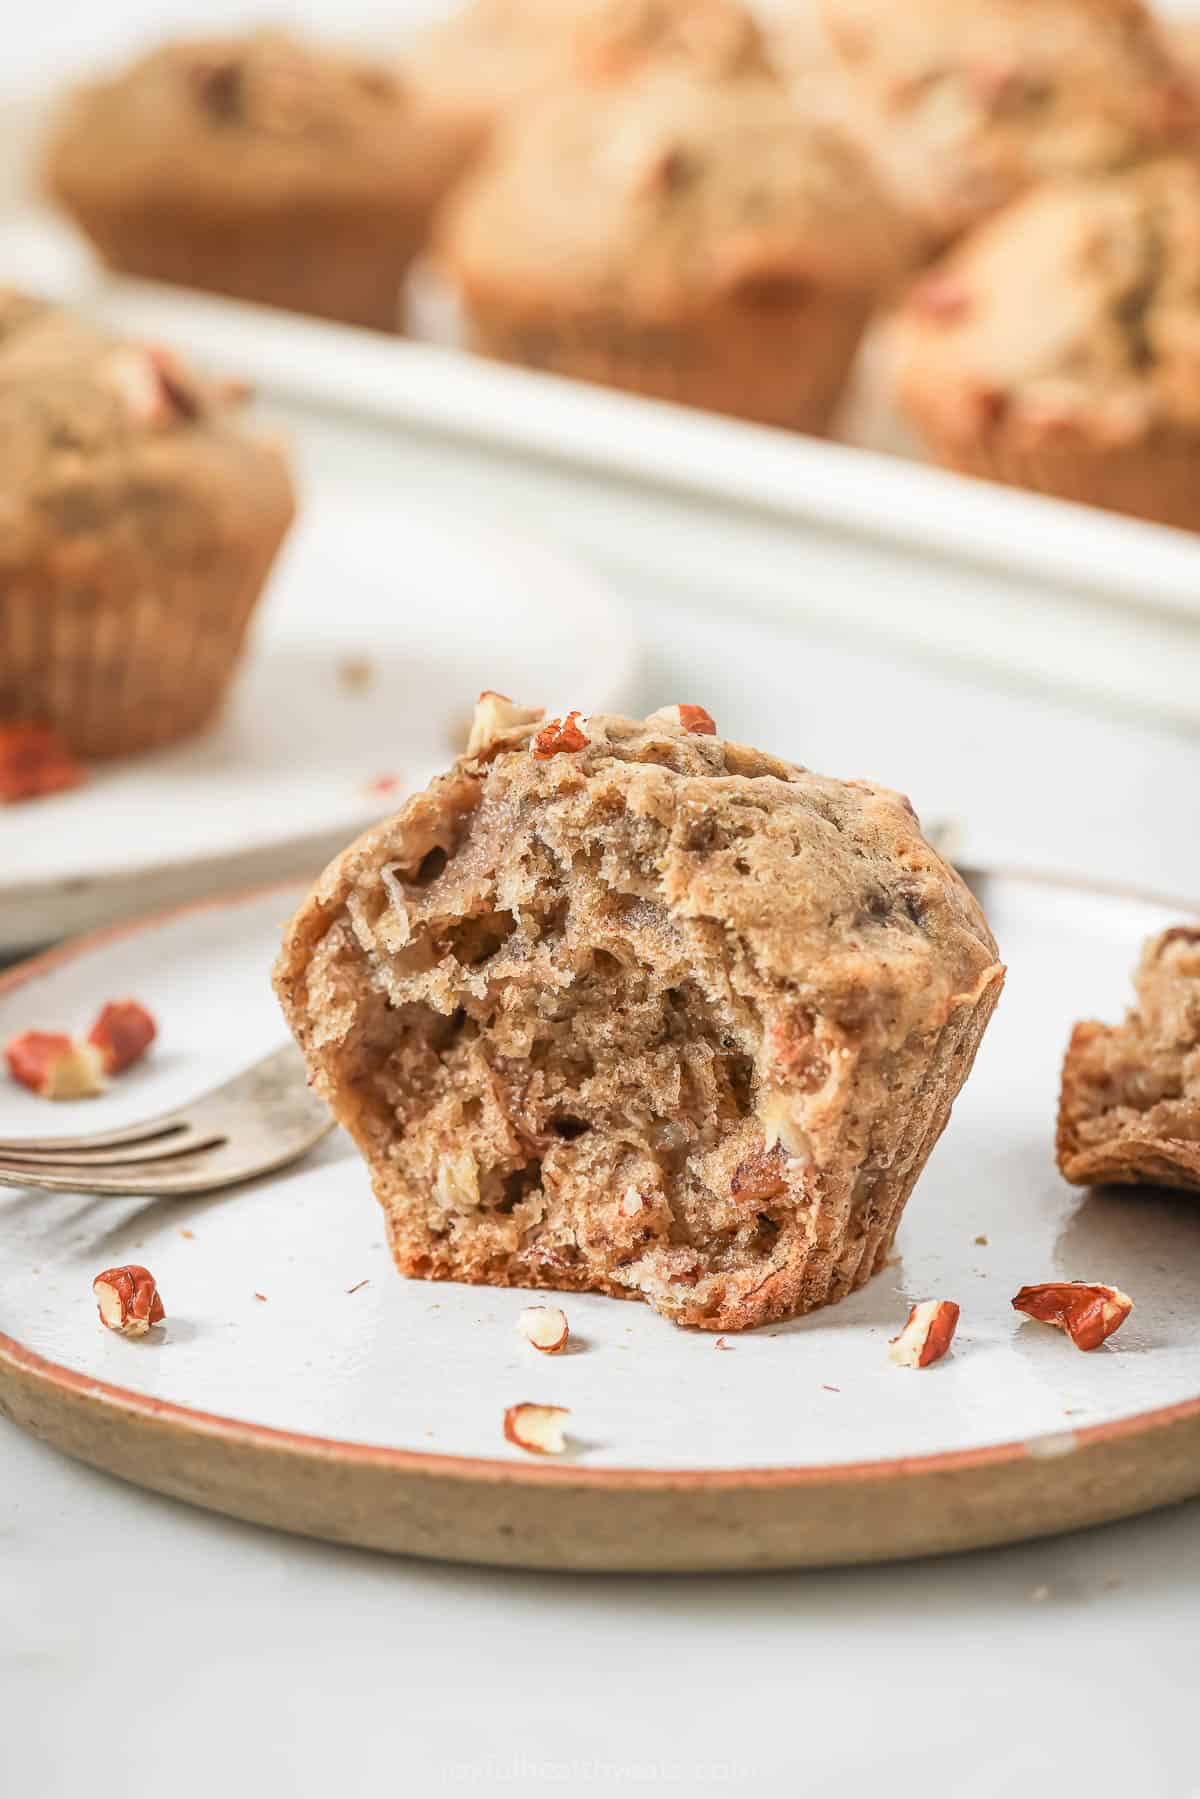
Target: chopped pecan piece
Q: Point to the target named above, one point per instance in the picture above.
(940, 297)
(152, 384)
(34, 761)
(761, 1176)
(128, 1300)
(495, 715)
(693, 719)
(54, 1066)
(1086, 1311)
(122, 1034)
(545, 1327)
(696, 720)
(927, 1335)
(561, 734)
(537, 1428)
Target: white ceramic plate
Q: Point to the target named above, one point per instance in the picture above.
(437, 607)
(375, 1415)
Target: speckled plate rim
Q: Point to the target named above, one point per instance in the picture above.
(570, 1517)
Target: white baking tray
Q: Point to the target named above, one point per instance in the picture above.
(849, 532)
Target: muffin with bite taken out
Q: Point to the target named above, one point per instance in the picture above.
(622, 1006)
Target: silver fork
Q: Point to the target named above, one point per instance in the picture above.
(263, 1118)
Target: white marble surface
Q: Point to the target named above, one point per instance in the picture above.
(148, 1647)
(144, 1643)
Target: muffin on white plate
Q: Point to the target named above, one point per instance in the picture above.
(140, 521)
(621, 1006)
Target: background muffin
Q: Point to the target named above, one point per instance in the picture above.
(472, 69)
(257, 167)
(479, 67)
(1059, 347)
(971, 102)
(713, 39)
(697, 242)
(18, 311)
(138, 527)
(1185, 44)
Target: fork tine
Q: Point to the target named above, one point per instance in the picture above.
(146, 1130)
(124, 1136)
(262, 1119)
(125, 1179)
(159, 1152)
(219, 1165)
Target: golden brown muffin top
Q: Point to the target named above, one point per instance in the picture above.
(1184, 39)
(979, 98)
(235, 117)
(71, 393)
(720, 39)
(1077, 307)
(267, 84)
(18, 311)
(109, 443)
(828, 883)
(495, 55)
(488, 58)
(811, 872)
(670, 193)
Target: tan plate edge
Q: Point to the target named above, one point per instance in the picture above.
(566, 1516)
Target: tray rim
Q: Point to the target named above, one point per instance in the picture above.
(21, 1365)
(993, 579)
(833, 485)
(442, 388)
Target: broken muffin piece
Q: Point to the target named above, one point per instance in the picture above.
(1129, 1113)
(602, 961)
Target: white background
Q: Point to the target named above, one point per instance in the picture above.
(148, 1647)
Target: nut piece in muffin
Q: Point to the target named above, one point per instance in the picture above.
(260, 167)
(1130, 1107)
(1059, 347)
(973, 101)
(479, 68)
(626, 1007)
(698, 243)
(140, 521)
